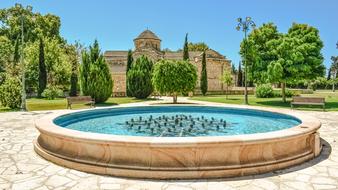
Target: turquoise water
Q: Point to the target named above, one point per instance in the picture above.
(173, 121)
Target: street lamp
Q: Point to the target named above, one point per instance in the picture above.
(23, 79)
(245, 26)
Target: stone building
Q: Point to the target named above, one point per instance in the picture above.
(147, 43)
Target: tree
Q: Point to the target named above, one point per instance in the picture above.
(200, 46)
(233, 69)
(42, 69)
(186, 49)
(204, 75)
(95, 75)
(139, 78)
(259, 53)
(58, 66)
(240, 75)
(16, 56)
(299, 56)
(36, 25)
(174, 77)
(333, 71)
(5, 52)
(130, 60)
(226, 79)
(73, 52)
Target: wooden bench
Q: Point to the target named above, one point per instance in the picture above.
(298, 100)
(80, 99)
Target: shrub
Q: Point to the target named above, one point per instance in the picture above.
(288, 93)
(139, 78)
(10, 95)
(264, 91)
(51, 93)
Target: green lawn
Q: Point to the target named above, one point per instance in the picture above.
(331, 100)
(35, 104)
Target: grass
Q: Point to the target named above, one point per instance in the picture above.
(331, 99)
(36, 104)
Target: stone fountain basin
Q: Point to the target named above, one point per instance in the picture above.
(179, 157)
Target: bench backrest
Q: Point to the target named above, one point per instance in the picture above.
(308, 99)
(79, 99)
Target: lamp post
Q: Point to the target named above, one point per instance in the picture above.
(23, 72)
(245, 25)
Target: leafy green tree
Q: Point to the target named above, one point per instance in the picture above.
(174, 77)
(130, 61)
(299, 56)
(10, 95)
(56, 60)
(204, 76)
(95, 75)
(240, 75)
(5, 52)
(227, 80)
(42, 69)
(200, 46)
(186, 49)
(139, 78)
(259, 53)
(36, 25)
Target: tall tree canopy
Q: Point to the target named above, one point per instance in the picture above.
(259, 53)
(199, 46)
(298, 56)
(35, 24)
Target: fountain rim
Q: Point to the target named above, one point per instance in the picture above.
(307, 126)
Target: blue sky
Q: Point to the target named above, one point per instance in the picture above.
(116, 23)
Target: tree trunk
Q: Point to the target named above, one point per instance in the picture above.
(283, 91)
(333, 87)
(175, 98)
(226, 93)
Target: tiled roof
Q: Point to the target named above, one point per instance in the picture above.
(147, 34)
(115, 53)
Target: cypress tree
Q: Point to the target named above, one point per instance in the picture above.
(204, 75)
(95, 77)
(16, 52)
(74, 76)
(186, 49)
(139, 78)
(130, 60)
(239, 76)
(42, 69)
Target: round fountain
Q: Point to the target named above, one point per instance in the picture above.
(178, 142)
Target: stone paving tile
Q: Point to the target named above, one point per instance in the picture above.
(21, 168)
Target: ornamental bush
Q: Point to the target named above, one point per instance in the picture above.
(288, 93)
(174, 77)
(10, 95)
(52, 92)
(264, 91)
(139, 78)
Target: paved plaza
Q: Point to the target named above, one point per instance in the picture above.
(21, 168)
